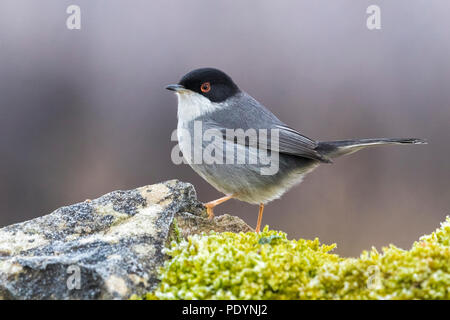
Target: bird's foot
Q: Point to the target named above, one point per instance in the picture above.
(210, 205)
(210, 210)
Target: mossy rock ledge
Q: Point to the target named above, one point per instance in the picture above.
(268, 265)
(156, 242)
(107, 248)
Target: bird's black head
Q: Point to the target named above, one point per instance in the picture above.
(209, 82)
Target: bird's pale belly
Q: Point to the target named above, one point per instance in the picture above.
(249, 186)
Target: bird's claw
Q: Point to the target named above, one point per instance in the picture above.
(210, 211)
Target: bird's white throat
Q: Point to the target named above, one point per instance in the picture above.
(192, 105)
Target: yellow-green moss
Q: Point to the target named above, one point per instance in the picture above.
(174, 233)
(268, 266)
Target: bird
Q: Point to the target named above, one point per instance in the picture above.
(209, 99)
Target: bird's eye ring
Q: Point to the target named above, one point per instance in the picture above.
(205, 87)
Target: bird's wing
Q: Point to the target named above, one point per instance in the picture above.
(246, 113)
(294, 143)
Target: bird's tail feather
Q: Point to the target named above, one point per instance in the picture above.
(339, 148)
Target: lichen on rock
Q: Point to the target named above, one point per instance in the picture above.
(269, 266)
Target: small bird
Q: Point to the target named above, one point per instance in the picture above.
(209, 97)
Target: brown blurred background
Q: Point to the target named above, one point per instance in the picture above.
(84, 112)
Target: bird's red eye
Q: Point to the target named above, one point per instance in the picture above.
(205, 87)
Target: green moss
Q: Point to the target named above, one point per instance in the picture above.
(174, 232)
(269, 266)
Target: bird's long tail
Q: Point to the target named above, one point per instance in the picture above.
(339, 148)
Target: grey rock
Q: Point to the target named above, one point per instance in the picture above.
(107, 248)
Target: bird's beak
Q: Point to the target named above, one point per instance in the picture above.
(174, 87)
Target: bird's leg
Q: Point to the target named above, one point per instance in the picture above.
(260, 214)
(210, 205)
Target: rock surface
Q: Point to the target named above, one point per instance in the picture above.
(107, 248)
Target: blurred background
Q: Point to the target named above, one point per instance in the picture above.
(84, 112)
